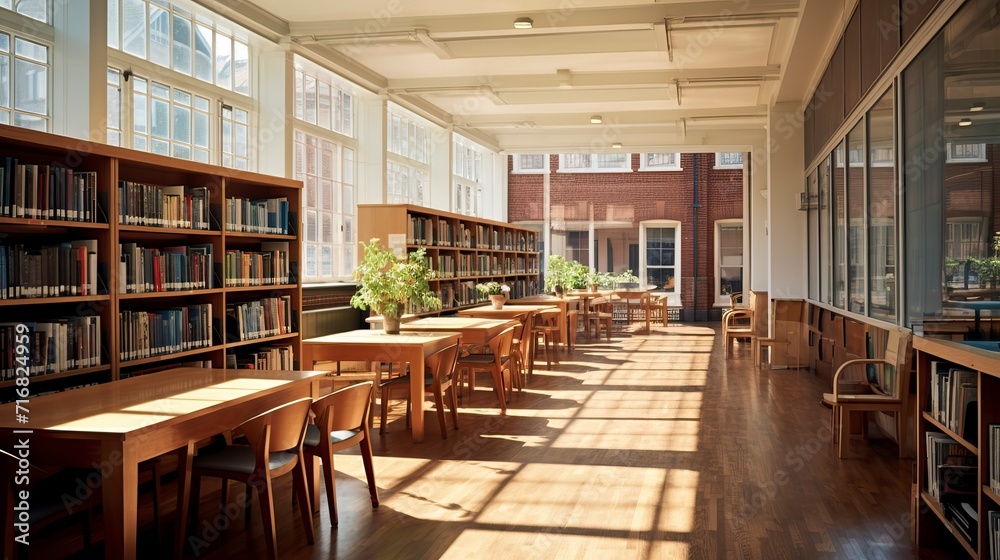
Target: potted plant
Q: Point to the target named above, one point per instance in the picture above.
(496, 291)
(627, 281)
(387, 283)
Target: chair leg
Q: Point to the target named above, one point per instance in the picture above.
(195, 502)
(845, 431)
(302, 491)
(366, 459)
(265, 491)
(331, 488)
(454, 406)
(156, 501)
(498, 388)
(384, 410)
(439, 405)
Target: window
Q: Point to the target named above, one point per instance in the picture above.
(323, 99)
(595, 163)
(469, 176)
(881, 212)
(189, 44)
(408, 140)
(659, 262)
(812, 216)
(839, 279)
(326, 169)
(531, 163)
(189, 96)
(660, 162)
(24, 82)
(325, 152)
(729, 259)
(729, 160)
(966, 153)
(39, 10)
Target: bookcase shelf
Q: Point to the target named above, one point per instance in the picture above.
(493, 247)
(191, 192)
(944, 367)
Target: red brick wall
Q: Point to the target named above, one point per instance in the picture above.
(653, 195)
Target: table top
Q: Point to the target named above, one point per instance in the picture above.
(474, 330)
(133, 405)
(379, 337)
(975, 304)
(509, 310)
(544, 299)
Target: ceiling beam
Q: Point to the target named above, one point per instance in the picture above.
(624, 118)
(253, 18)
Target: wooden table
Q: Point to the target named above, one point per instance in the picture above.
(472, 330)
(562, 303)
(115, 426)
(376, 346)
(512, 312)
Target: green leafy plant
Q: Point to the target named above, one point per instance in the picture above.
(387, 282)
(566, 274)
(626, 278)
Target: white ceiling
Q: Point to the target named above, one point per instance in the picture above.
(660, 73)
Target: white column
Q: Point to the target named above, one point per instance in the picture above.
(371, 149)
(276, 105)
(79, 69)
(439, 195)
(787, 242)
(757, 267)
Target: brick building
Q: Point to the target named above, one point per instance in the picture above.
(675, 219)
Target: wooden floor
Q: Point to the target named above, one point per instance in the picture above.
(645, 447)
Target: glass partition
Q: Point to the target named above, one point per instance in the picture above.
(856, 219)
(840, 229)
(881, 211)
(811, 204)
(826, 270)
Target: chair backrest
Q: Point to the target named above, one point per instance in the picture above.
(893, 379)
(344, 409)
(735, 299)
(548, 318)
(279, 429)
(500, 345)
(442, 362)
(759, 306)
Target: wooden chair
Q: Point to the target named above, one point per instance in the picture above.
(746, 323)
(517, 353)
(600, 314)
(497, 361)
(853, 390)
(343, 417)
(439, 370)
(275, 439)
(546, 326)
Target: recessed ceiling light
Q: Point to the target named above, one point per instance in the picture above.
(596, 119)
(976, 107)
(523, 23)
(616, 145)
(965, 122)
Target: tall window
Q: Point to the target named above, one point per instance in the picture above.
(25, 55)
(659, 264)
(469, 176)
(531, 163)
(187, 92)
(324, 161)
(729, 259)
(670, 161)
(408, 162)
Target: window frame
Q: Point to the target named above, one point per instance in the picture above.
(19, 26)
(950, 157)
(723, 300)
(720, 165)
(645, 166)
(516, 167)
(593, 167)
(673, 297)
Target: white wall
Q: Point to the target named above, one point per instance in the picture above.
(787, 242)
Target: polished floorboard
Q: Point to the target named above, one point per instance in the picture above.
(647, 447)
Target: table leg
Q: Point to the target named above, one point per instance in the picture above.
(185, 456)
(979, 333)
(417, 395)
(121, 498)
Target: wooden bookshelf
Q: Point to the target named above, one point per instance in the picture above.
(932, 526)
(112, 165)
(463, 250)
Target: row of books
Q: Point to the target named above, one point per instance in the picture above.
(259, 319)
(266, 357)
(954, 399)
(457, 294)
(159, 206)
(951, 469)
(270, 265)
(994, 534)
(54, 346)
(63, 269)
(520, 242)
(994, 435)
(269, 216)
(47, 192)
(520, 265)
(145, 334)
(442, 233)
(146, 269)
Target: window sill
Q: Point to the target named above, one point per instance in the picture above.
(580, 171)
(723, 167)
(644, 169)
(529, 172)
